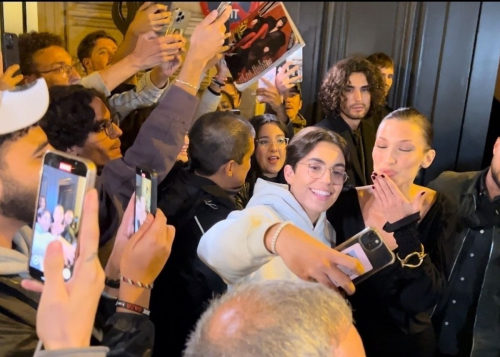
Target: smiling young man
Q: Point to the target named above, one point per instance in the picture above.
(351, 92)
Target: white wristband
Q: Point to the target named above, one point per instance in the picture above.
(276, 234)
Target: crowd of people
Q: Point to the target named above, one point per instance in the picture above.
(256, 205)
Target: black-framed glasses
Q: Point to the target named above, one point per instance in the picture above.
(265, 142)
(316, 171)
(106, 126)
(65, 68)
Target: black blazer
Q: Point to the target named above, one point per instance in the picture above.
(335, 123)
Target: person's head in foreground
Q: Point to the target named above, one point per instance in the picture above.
(22, 145)
(276, 318)
(315, 169)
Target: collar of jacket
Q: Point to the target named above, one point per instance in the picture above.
(470, 196)
(191, 179)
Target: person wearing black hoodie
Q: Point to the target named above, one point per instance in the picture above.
(194, 198)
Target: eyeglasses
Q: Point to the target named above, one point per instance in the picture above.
(280, 142)
(106, 126)
(316, 171)
(65, 68)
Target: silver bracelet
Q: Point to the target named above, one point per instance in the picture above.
(187, 84)
(276, 234)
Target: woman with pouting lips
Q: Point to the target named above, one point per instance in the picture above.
(393, 308)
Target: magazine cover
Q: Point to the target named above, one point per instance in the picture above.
(262, 41)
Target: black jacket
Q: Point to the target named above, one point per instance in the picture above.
(193, 204)
(354, 171)
(125, 334)
(463, 189)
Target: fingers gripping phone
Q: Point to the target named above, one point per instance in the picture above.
(63, 183)
(370, 249)
(178, 24)
(145, 195)
(10, 51)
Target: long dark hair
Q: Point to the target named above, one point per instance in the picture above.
(336, 80)
(258, 122)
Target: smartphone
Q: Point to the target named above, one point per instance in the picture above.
(146, 186)
(63, 183)
(179, 23)
(222, 7)
(10, 51)
(370, 249)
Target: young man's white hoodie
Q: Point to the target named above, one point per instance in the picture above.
(234, 248)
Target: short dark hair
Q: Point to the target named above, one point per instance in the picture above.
(217, 138)
(88, 43)
(70, 118)
(336, 80)
(32, 42)
(417, 118)
(380, 59)
(303, 144)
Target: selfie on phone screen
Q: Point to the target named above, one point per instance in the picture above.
(142, 199)
(58, 215)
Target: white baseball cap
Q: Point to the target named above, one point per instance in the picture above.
(23, 106)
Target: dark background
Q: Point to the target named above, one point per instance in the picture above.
(446, 58)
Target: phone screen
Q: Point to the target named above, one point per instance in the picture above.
(145, 197)
(59, 211)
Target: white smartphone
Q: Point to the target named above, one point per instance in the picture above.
(63, 183)
(370, 249)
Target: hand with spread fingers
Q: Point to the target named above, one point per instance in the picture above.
(393, 202)
(270, 95)
(312, 260)
(67, 310)
(150, 17)
(285, 78)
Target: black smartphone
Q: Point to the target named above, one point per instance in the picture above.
(370, 249)
(146, 186)
(63, 183)
(10, 51)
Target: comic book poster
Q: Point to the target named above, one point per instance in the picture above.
(261, 42)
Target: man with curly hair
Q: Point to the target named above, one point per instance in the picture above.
(352, 91)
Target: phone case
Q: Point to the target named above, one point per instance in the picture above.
(10, 50)
(91, 172)
(370, 249)
(154, 192)
(179, 23)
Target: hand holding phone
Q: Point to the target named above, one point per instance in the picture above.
(10, 52)
(146, 186)
(63, 184)
(66, 312)
(370, 249)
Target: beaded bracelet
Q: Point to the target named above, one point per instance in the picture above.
(276, 234)
(136, 283)
(132, 307)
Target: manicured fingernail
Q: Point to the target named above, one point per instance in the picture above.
(375, 173)
(423, 193)
(373, 187)
(374, 177)
(383, 176)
